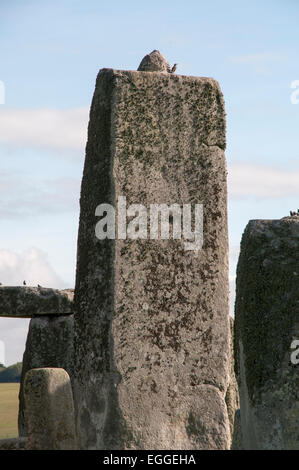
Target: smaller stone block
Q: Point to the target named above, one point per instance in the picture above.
(154, 62)
(49, 344)
(49, 410)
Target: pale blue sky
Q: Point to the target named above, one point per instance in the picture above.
(51, 52)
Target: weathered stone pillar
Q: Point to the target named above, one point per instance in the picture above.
(266, 324)
(49, 410)
(151, 318)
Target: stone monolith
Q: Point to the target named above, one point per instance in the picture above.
(151, 317)
(266, 334)
(49, 410)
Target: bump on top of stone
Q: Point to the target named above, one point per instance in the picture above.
(154, 62)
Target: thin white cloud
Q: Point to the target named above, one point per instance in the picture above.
(31, 265)
(13, 333)
(64, 129)
(23, 196)
(262, 182)
(261, 63)
(255, 59)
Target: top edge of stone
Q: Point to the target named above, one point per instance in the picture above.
(119, 72)
(41, 290)
(36, 287)
(270, 226)
(289, 218)
(47, 371)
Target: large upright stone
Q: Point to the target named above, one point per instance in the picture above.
(49, 410)
(151, 318)
(266, 324)
(49, 344)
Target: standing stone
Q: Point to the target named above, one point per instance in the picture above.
(49, 410)
(49, 344)
(151, 318)
(266, 324)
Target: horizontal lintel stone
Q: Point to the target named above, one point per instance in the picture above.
(28, 302)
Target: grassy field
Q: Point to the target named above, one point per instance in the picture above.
(9, 404)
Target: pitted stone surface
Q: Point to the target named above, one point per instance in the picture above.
(49, 344)
(266, 323)
(151, 319)
(49, 410)
(27, 302)
(154, 62)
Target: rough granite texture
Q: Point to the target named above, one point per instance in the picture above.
(266, 323)
(49, 410)
(49, 344)
(27, 302)
(151, 319)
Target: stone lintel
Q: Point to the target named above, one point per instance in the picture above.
(28, 302)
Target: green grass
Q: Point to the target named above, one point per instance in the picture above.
(9, 405)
